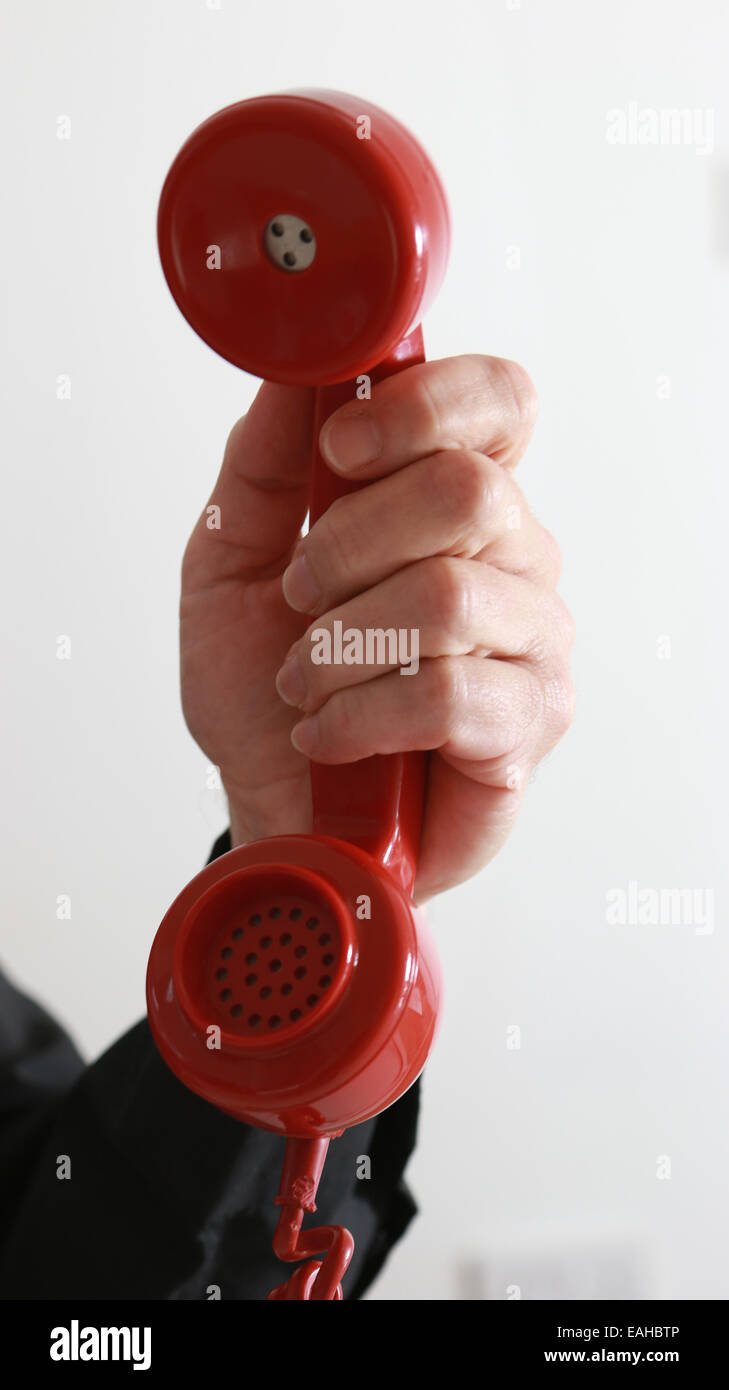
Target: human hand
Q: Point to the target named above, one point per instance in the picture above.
(440, 540)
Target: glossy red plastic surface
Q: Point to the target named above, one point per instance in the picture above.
(357, 1049)
(318, 1280)
(293, 983)
(375, 206)
(376, 803)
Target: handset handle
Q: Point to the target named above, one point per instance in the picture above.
(376, 803)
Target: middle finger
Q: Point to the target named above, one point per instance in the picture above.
(452, 503)
(442, 606)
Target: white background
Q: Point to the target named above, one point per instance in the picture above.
(536, 1167)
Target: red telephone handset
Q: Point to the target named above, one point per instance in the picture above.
(293, 982)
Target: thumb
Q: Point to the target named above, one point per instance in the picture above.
(262, 490)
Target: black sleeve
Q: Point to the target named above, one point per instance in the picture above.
(166, 1196)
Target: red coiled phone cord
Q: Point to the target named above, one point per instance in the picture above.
(318, 1280)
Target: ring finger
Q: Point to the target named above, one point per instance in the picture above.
(458, 503)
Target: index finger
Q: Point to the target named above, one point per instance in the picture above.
(467, 402)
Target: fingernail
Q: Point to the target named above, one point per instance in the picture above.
(300, 588)
(290, 682)
(351, 442)
(305, 735)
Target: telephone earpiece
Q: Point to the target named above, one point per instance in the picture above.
(293, 982)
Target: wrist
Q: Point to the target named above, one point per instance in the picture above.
(274, 813)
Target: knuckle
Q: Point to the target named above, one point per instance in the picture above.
(533, 701)
(552, 556)
(331, 544)
(513, 385)
(556, 626)
(194, 561)
(425, 407)
(565, 623)
(234, 436)
(342, 717)
(552, 633)
(443, 695)
(349, 726)
(524, 712)
(472, 486)
(561, 700)
(448, 596)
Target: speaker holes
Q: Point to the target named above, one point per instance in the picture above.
(270, 967)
